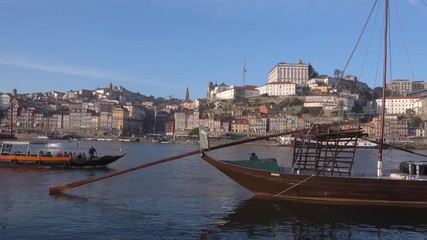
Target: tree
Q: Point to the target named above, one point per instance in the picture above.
(194, 131)
(415, 122)
(410, 111)
(241, 100)
(296, 102)
(313, 111)
(304, 91)
(204, 107)
(338, 73)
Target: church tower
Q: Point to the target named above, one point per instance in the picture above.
(187, 95)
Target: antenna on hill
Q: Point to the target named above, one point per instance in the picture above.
(244, 73)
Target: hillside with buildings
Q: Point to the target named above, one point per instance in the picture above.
(295, 96)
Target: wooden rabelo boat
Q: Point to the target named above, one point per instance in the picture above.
(11, 157)
(321, 169)
(322, 172)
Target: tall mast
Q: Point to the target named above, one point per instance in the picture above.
(380, 149)
(11, 114)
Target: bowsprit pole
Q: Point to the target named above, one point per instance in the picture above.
(60, 188)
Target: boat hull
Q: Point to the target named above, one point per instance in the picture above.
(56, 161)
(7, 136)
(326, 189)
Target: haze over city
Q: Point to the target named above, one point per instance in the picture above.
(161, 47)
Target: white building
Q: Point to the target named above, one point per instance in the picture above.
(213, 90)
(278, 89)
(192, 119)
(226, 94)
(180, 121)
(322, 81)
(223, 92)
(330, 102)
(135, 112)
(214, 125)
(250, 91)
(191, 104)
(298, 73)
(400, 104)
(4, 101)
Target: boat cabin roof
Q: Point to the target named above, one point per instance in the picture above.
(15, 143)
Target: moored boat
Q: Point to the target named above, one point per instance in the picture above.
(10, 157)
(322, 167)
(362, 143)
(7, 135)
(322, 173)
(40, 140)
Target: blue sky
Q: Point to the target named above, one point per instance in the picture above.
(160, 47)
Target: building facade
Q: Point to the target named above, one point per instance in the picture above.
(4, 101)
(298, 73)
(402, 87)
(400, 105)
(278, 89)
(334, 102)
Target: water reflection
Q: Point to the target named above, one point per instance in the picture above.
(69, 197)
(262, 218)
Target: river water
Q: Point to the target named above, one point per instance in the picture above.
(182, 199)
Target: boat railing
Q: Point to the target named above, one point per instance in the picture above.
(419, 168)
(329, 153)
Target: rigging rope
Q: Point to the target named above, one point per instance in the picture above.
(340, 75)
(348, 61)
(289, 188)
(404, 40)
(358, 41)
(369, 44)
(364, 60)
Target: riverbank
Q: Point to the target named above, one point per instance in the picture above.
(414, 144)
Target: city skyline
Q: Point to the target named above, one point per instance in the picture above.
(160, 48)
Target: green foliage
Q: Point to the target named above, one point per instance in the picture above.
(290, 102)
(415, 122)
(304, 91)
(358, 108)
(313, 111)
(296, 102)
(410, 111)
(241, 100)
(205, 107)
(194, 131)
(255, 102)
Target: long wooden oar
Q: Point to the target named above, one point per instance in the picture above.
(60, 188)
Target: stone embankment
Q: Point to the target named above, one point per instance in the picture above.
(417, 144)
